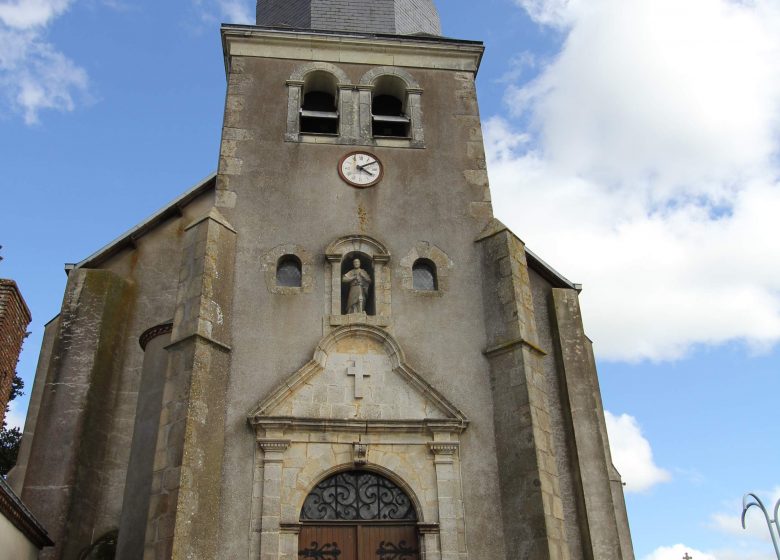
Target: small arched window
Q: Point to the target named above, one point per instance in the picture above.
(319, 109)
(388, 108)
(288, 272)
(424, 276)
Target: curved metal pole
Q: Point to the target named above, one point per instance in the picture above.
(756, 501)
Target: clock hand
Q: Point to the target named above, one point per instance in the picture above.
(366, 165)
(366, 171)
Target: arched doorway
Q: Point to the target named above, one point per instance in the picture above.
(358, 515)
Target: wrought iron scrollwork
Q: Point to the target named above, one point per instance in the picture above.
(392, 551)
(328, 551)
(357, 496)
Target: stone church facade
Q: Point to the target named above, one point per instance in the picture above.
(330, 349)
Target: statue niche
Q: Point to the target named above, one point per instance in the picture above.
(357, 284)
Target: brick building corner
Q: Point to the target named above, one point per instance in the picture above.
(14, 318)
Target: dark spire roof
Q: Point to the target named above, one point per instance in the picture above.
(398, 17)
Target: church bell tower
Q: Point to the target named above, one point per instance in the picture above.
(331, 349)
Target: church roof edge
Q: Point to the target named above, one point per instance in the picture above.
(128, 238)
(17, 513)
(558, 280)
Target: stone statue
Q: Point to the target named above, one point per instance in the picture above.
(359, 281)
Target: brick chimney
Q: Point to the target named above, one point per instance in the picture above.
(14, 318)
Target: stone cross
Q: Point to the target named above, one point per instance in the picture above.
(687, 557)
(359, 371)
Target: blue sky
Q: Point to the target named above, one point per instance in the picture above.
(631, 143)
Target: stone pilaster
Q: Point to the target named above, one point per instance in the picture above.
(414, 111)
(532, 511)
(448, 493)
(429, 538)
(591, 447)
(271, 503)
(364, 112)
(294, 99)
(348, 113)
(68, 449)
(186, 485)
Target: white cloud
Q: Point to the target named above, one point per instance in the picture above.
(34, 75)
(23, 14)
(227, 11)
(632, 454)
(549, 12)
(676, 552)
(649, 172)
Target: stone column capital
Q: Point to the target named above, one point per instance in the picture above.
(273, 445)
(444, 450)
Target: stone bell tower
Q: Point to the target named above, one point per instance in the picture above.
(330, 349)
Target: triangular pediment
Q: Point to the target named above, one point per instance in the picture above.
(358, 376)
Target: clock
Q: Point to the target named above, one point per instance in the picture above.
(361, 169)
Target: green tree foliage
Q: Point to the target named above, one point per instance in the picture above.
(10, 439)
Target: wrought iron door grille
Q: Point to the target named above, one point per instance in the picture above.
(357, 496)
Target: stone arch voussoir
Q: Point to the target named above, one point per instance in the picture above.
(371, 76)
(301, 72)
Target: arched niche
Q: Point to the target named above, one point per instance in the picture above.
(391, 82)
(321, 76)
(374, 257)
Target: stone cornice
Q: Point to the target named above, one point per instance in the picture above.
(357, 426)
(379, 50)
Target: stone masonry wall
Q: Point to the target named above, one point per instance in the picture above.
(14, 318)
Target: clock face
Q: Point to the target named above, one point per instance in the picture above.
(361, 169)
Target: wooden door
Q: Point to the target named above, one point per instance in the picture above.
(328, 542)
(370, 541)
(388, 542)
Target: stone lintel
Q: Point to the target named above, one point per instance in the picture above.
(358, 426)
(290, 528)
(428, 528)
(359, 319)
